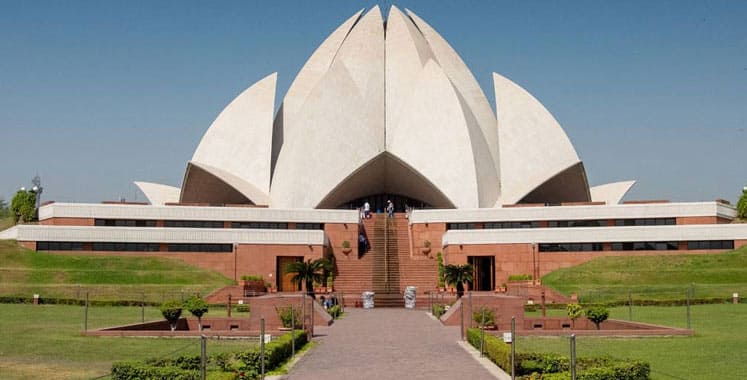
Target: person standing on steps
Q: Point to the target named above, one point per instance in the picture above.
(367, 210)
(390, 208)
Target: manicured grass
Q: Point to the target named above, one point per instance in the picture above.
(717, 351)
(607, 279)
(44, 341)
(24, 272)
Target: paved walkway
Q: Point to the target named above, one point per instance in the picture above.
(387, 343)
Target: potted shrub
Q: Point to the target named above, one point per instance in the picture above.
(503, 288)
(346, 249)
(197, 307)
(426, 247)
(172, 311)
(289, 316)
(484, 312)
(253, 283)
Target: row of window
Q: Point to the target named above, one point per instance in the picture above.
(566, 223)
(636, 246)
(131, 247)
(570, 247)
(204, 224)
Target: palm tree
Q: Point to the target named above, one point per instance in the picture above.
(458, 275)
(309, 272)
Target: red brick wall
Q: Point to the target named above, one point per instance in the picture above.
(67, 222)
(739, 243)
(28, 244)
(432, 232)
(698, 220)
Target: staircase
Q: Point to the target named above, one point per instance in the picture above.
(387, 268)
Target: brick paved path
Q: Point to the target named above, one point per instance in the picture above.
(387, 343)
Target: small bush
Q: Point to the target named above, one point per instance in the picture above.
(243, 308)
(345, 244)
(519, 277)
(287, 316)
(438, 310)
(597, 315)
(172, 311)
(489, 316)
(334, 311)
(250, 277)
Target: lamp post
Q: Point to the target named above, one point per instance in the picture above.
(37, 190)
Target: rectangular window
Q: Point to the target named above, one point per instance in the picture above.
(710, 244)
(124, 223)
(646, 222)
(646, 246)
(126, 247)
(261, 225)
(59, 246)
(461, 226)
(577, 223)
(520, 224)
(189, 247)
(570, 247)
(193, 223)
(309, 226)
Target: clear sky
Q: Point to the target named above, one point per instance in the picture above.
(96, 94)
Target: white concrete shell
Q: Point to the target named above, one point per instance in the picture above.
(159, 194)
(534, 148)
(343, 121)
(466, 84)
(611, 193)
(239, 142)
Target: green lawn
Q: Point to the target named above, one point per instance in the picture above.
(45, 342)
(608, 279)
(24, 272)
(717, 351)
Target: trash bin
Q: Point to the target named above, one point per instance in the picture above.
(410, 297)
(368, 300)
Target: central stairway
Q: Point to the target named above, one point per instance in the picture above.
(388, 267)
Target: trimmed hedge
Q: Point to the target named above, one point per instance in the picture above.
(187, 367)
(556, 367)
(140, 371)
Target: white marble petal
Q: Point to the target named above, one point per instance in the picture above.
(462, 78)
(159, 194)
(239, 141)
(534, 148)
(611, 193)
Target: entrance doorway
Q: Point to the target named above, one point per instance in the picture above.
(284, 278)
(484, 272)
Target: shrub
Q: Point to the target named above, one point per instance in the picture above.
(597, 314)
(438, 309)
(495, 349)
(287, 315)
(519, 277)
(140, 371)
(23, 206)
(742, 205)
(427, 243)
(440, 259)
(489, 316)
(275, 353)
(242, 308)
(335, 311)
(172, 311)
(197, 307)
(252, 277)
(574, 311)
(345, 244)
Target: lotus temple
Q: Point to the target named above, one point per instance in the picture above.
(385, 110)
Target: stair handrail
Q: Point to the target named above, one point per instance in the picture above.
(386, 252)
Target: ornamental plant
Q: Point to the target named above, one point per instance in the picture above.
(574, 311)
(197, 307)
(172, 311)
(484, 312)
(288, 316)
(597, 314)
(742, 205)
(440, 259)
(457, 275)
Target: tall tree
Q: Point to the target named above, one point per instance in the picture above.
(23, 206)
(308, 272)
(742, 205)
(457, 275)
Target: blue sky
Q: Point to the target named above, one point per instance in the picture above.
(96, 94)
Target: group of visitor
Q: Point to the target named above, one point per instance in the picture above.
(366, 210)
(328, 302)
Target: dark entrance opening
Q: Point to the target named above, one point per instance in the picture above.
(484, 272)
(284, 283)
(378, 203)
